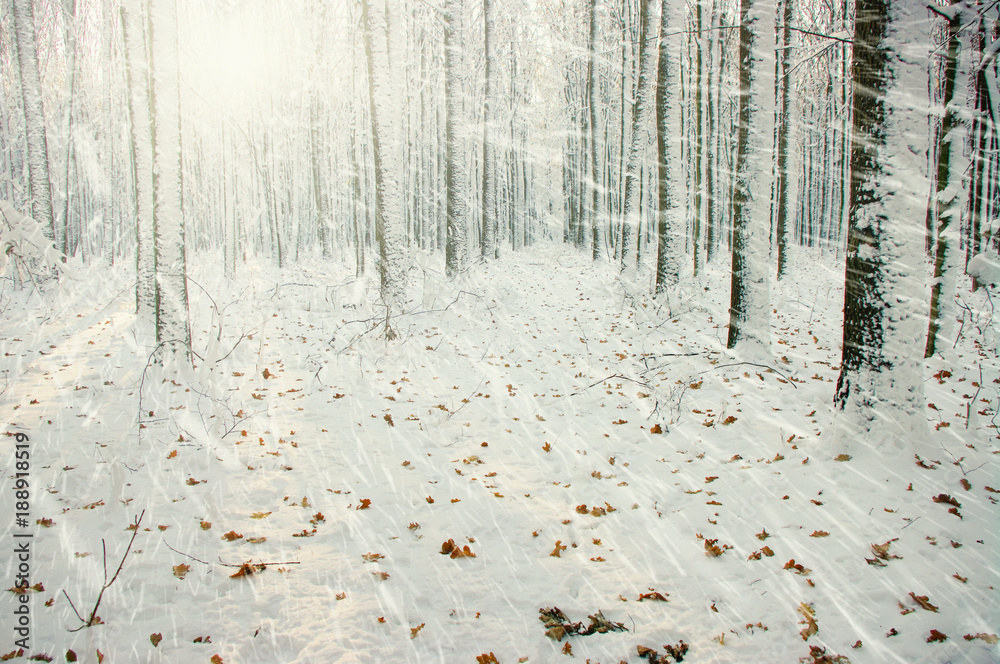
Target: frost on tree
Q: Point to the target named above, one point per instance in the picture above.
(749, 308)
(137, 75)
(640, 120)
(31, 91)
(669, 233)
(172, 326)
(457, 210)
(388, 194)
(880, 375)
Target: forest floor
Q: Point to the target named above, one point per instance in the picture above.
(537, 437)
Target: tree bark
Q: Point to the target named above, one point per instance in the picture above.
(39, 183)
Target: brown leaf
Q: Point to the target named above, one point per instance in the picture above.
(216, 660)
(388, 418)
(714, 551)
(842, 457)
(936, 636)
(819, 533)
(655, 429)
(729, 420)
(172, 454)
(372, 557)
(487, 659)
(989, 638)
(70, 656)
(205, 525)
(795, 567)
(766, 550)
(763, 535)
(812, 625)
(559, 548)
(232, 536)
(181, 570)
(652, 596)
(945, 498)
(365, 504)
(416, 630)
(155, 639)
(924, 604)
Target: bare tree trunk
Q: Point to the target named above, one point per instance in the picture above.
(137, 76)
(172, 326)
(454, 171)
(640, 120)
(39, 183)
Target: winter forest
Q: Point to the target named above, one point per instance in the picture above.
(499, 331)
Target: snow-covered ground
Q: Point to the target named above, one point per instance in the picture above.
(593, 450)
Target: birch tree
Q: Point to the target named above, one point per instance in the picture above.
(39, 184)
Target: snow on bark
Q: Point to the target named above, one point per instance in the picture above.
(39, 184)
(168, 223)
(670, 233)
(749, 309)
(455, 179)
(640, 138)
(137, 73)
(387, 157)
(880, 381)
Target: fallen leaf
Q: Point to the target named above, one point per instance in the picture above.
(945, 498)
(819, 533)
(936, 636)
(988, 638)
(181, 570)
(365, 504)
(155, 639)
(812, 625)
(416, 630)
(372, 557)
(560, 547)
(259, 515)
(232, 536)
(924, 604)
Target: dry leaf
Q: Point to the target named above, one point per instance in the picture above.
(819, 533)
(715, 551)
(365, 504)
(842, 457)
(205, 525)
(945, 498)
(988, 638)
(763, 535)
(216, 660)
(812, 625)
(936, 636)
(798, 569)
(924, 604)
(181, 570)
(416, 630)
(259, 515)
(172, 454)
(560, 547)
(372, 557)
(232, 536)
(155, 639)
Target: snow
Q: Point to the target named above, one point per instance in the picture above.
(985, 267)
(511, 399)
